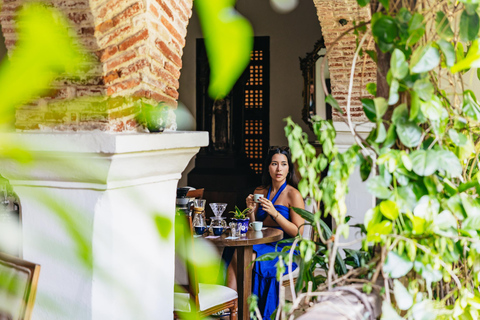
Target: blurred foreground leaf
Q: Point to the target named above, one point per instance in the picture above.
(228, 41)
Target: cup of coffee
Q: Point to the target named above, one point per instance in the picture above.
(257, 225)
(257, 196)
(217, 230)
(200, 230)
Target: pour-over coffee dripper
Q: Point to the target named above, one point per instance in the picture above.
(218, 208)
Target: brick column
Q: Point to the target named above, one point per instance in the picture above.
(337, 16)
(138, 46)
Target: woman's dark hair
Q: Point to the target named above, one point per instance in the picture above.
(291, 176)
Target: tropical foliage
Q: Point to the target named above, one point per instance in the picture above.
(421, 161)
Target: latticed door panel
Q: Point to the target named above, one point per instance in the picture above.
(256, 106)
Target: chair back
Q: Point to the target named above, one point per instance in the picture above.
(18, 287)
(197, 193)
(185, 272)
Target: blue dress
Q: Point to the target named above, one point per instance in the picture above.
(265, 284)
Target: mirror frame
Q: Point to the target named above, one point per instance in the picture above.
(310, 87)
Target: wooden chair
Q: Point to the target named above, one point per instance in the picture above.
(18, 287)
(206, 299)
(307, 234)
(197, 193)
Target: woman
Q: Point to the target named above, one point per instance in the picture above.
(275, 210)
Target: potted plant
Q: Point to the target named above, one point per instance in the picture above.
(240, 216)
(153, 117)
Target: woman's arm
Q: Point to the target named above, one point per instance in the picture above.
(252, 205)
(289, 226)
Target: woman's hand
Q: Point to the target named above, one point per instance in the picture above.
(268, 207)
(251, 203)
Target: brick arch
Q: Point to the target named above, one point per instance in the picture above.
(139, 46)
(330, 13)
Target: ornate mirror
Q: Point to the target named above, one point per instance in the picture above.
(313, 95)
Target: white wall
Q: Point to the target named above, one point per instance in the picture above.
(292, 35)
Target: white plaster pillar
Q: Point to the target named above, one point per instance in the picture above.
(89, 202)
(358, 199)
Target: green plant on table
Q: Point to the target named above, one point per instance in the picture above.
(239, 214)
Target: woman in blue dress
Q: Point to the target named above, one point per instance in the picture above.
(275, 210)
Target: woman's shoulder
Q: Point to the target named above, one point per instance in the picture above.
(293, 194)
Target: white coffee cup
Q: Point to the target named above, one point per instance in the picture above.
(257, 196)
(257, 225)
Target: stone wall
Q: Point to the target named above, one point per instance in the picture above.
(337, 16)
(138, 45)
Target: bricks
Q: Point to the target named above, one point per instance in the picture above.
(138, 48)
(142, 35)
(165, 8)
(120, 60)
(128, 84)
(341, 55)
(165, 50)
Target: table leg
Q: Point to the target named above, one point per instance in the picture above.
(244, 280)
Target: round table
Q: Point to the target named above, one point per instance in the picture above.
(244, 257)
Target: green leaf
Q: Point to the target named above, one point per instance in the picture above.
(385, 29)
(372, 88)
(398, 64)
(228, 41)
(372, 217)
(363, 3)
(389, 209)
(164, 226)
(424, 59)
(415, 106)
(397, 266)
(369, 109)
(448, 51)
(379, 229)
(385, 4)
(372, 54)
(442, 26)
(365, 168)
(409, 133)
(424, 162)
(457, 137)
(381, 132)
(433, 109)
(400, 113)
(469, 26)
(470, 106)
(416, 29)
(427, 272)
(43, 50)
(393, 93)
(403, 298)
(381, 106)
(377, 187)
(424, 310)
(445, 220)
(418, 224)
(424, 89)
(388, 313)
(391, 137)
(308, 216)
(449, 162)
(472, 60)
(334, 103)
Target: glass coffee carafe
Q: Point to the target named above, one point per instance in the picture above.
(218, 225)
(199, 223)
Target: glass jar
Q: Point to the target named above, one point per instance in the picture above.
(218, 226)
